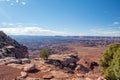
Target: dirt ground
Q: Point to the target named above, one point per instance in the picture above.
(94, 53)
(8, 73)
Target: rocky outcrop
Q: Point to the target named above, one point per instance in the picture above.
(88, 63)
(23, 64)
(80, 68)
(37, 69)
(11, 48)
(25, 60)
(66, 61)
(29, 67)
(23, 74)
(9, 60)
(71, 63)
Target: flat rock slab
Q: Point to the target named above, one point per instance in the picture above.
(60, 74)
(29, 67)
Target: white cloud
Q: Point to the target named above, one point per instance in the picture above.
(23, 3)
(105, 32)
(14, 2)
(11, 24)
(8, 24)
(18, 24)
(30, 31)
(11, 4)
(17, 1)
(116, 23)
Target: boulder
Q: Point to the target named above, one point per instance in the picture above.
(82, 69)
(88, 63)
(29, 67)
(72, 65)
(93, 64)
(66, 62)
(63, 61)
(23, 74)
(19, 66)
(25, 60)
(53, 62)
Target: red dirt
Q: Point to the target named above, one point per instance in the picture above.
(8, 73)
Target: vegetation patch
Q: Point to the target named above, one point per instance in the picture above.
(110, 62)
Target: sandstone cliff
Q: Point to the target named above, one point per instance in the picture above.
(11, 48)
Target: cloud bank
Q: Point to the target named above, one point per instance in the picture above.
(37, 31)
(13, 2)
(105, 32)
(34, 30)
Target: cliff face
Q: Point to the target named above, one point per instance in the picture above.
(11, 48)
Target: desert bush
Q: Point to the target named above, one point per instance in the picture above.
(44, 53)
(110, 62)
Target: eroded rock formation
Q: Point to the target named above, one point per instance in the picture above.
(11, 48)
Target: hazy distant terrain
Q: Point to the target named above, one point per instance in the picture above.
(66, 44)
(39, 42)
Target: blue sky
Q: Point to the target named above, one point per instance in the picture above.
(60, 17)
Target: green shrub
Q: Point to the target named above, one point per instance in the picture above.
(110, 62)
(44, 53)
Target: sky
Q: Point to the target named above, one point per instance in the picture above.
(60, 17)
